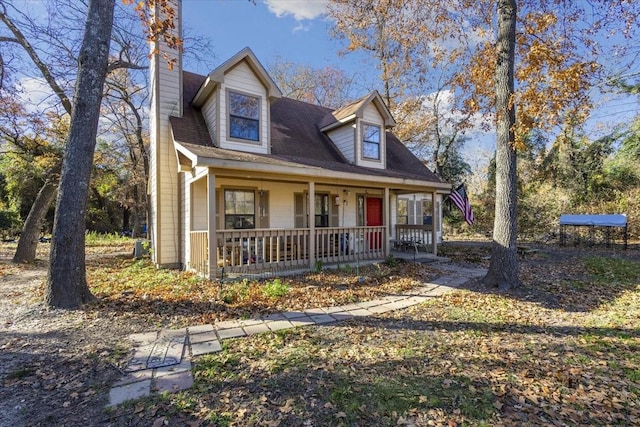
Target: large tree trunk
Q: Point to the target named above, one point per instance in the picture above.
(503, 268)
(28, 243)
(66, 283)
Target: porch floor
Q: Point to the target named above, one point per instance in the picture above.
(422, 257)
(409, 255)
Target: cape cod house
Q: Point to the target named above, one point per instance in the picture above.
(244, 179)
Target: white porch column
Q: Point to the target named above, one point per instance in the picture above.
(385, 221)
(312, 224)
(211, 225)
(435, 222)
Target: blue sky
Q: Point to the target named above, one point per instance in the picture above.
(297, 31)
(294, 30)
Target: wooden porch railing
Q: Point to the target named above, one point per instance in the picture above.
(198, 244)
(261, 250)
(413, 236)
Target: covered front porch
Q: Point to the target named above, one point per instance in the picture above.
(266, 225)
(274, 250)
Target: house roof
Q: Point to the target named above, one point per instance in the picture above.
(355, 109)
(296, 140)
(216, 77)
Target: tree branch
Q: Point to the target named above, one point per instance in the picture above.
(46, 73)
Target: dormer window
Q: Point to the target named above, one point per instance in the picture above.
(244, 116)
(371, 142)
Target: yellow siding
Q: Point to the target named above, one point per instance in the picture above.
(166, 96)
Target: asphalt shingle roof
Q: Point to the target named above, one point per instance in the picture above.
(295, 138)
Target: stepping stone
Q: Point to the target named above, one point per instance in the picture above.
(206, 336)
(200, 329)
(183, 366)
(279, 325)
(136, 390)
(166, 350)
(134, 377)
(322, 318)
(224, 334)
(205, 348)
(256, 329)
(174, 382)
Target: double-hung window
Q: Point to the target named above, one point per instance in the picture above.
(322, 210)
(239, 209)
(244, 116)
(402, 213)
(371, 142)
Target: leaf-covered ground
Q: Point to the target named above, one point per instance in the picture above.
(193, 300)
(562, 350)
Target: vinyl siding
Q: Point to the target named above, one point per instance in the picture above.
(343, 138)
(199, 205)
(210, 113)
(166, 95)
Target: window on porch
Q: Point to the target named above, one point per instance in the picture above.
(325, 215)
(322, 210)
(239, 209)
(402, 211)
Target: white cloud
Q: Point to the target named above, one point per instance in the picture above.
(299, 9)
(36, 93)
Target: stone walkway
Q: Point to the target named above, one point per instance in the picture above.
(162, 359)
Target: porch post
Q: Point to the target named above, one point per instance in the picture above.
(435, 222)
(385, 221)
(312, 224)
(211, 225)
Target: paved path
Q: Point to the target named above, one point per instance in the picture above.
(162, 359)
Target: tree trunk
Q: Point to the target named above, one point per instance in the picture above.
(28, 243)
(503, 268)
(66, 282)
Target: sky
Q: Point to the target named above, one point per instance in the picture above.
(299, 32)
(294, 30)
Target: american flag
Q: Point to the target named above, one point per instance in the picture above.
(460, 199)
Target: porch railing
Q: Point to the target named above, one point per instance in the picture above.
(409, 235)
(261, 250)
(198, 253)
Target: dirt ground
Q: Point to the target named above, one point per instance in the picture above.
(56, 366)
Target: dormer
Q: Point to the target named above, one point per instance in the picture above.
(235, 100)
(359, 130)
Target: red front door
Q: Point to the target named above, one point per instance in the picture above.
(374, 219)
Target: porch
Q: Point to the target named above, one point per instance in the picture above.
(256, 251)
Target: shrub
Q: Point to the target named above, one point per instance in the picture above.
(275, 288)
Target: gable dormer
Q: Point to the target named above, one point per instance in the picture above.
(359, 130)
(235, 100)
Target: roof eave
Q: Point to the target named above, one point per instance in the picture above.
(306, 171)
(339, 123)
